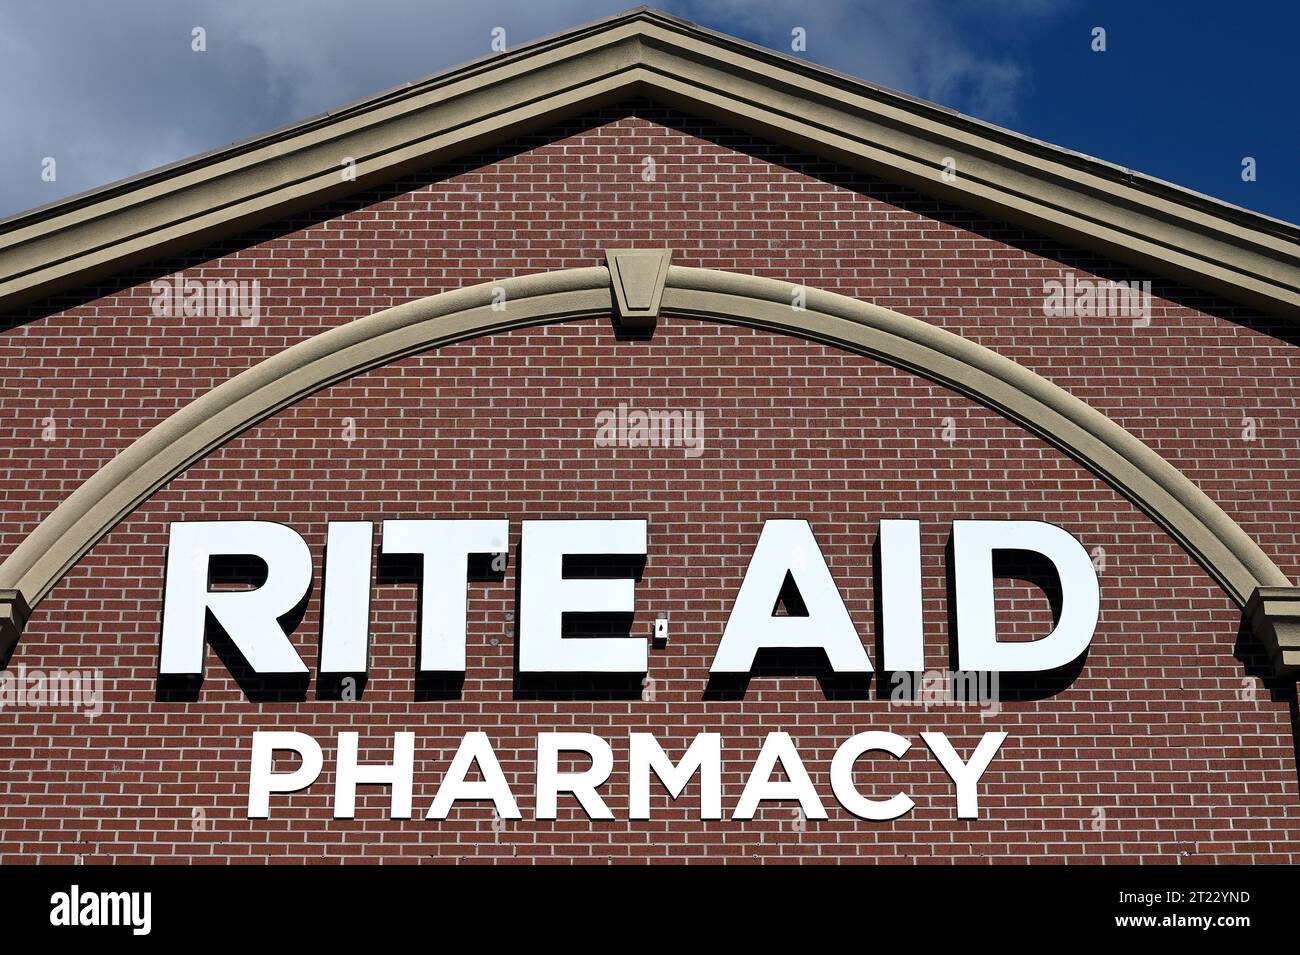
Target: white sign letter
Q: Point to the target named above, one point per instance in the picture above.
(546, 595)
(400, 775)
(705, 755)
(475, 748)
(842, 776)
(760, 786)
(965, 775)
(262, 781)
(789, 548)
(445, 546)
(551, 782)
(978, 649)
(249, 617)
(345, 602)
(900, 597)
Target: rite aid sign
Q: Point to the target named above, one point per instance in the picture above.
(786, 550)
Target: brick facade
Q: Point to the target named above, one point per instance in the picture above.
(1166, 747)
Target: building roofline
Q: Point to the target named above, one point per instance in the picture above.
(1129, 216)
(286, 131)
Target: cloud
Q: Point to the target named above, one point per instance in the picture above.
(925, 48)
(109, 90)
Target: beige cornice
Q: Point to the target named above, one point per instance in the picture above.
(1174, 502)
(1147, 223)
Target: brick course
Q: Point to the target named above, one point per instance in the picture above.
(1166, 747)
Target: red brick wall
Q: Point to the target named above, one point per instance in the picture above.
(1166, 747)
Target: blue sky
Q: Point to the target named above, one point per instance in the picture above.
(1184, 91)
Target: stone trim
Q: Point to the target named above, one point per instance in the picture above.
(1154, 485)
(638, 277)
(14, 613)
(1273, 614)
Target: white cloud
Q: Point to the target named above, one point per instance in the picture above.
(920, 47)
(113, 89)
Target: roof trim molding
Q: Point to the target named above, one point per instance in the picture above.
(1174, 502)
(1131, 218)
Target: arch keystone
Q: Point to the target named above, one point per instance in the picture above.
(638, 277)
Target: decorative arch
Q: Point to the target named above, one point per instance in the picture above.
(638, 286)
